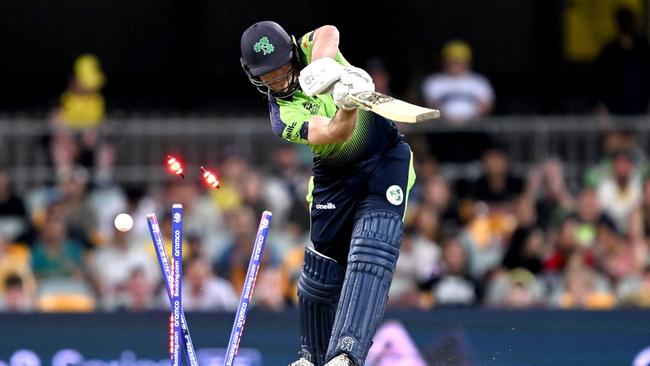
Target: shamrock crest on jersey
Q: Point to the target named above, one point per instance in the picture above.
(264, 45)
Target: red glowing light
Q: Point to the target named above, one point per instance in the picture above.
(175, 166)
(210, 178)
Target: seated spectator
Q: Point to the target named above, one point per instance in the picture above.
(233, 171)
(616, 255)
(296, 238)
(16, 297)
(418, 264)
(233, 263)
(525, 250)
(139, 294)
(437, 195)
(640, 220)
(566, 247)
(200, 216)
(583, 288)
(15, 260)
(203, 291)
(635, 291)
(494, 198)
(55, 254)
(588, 214)
(460, 94)
(620, 192)
(455, 286)
(269, 291)
(80, 217)
(516, 288)
(497, 186)
(14, 219)
(112, 264)
(546, 186)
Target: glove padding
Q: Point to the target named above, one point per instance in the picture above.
(353, 80)
(319, 76)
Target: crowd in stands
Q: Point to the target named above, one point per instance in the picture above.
(495, 240)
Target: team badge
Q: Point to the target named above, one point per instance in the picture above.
(395, 195)
(263, 45)
(346, 344)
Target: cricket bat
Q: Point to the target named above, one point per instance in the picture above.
(394, 109)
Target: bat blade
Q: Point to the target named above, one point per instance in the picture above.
(393, 108)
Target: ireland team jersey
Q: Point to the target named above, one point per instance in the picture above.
(290, 120)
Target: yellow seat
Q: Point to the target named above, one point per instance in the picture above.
(66, 303)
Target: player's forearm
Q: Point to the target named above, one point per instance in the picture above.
(326, 42)
(323, 130)
(343, 123)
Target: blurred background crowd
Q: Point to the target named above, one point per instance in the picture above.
(479, 231)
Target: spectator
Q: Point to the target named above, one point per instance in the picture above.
(621, 192)
(494, 197)
(199, 215)
(55, 254)
(455, 286)
(584, 289)
(525, 250)
(641, 216)
(16, 297)
(623, 70)
(617, 257)
(418, 263)
(517, 288)
(460, 94)
(203, 291)
(566, 248)
(588, 213)
(76, 120)
(78, 212)
(547, 187)
(437, 195)
(139, 292)
(270, 294)
(497, 186)
(112, 264)
(233, 262)
(14, 220)
(426, 245)
(635, 291)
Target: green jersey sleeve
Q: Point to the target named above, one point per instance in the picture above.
(289, 120)
(306, 43)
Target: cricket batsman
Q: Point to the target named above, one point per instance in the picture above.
(362, 175)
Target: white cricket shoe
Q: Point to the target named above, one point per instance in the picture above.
(340, 360)
(302, 362)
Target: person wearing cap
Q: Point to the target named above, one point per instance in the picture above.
(362, 175)
(76, 120)
(460, 94)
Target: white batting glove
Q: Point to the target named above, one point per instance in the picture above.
(353, 80)
(319, 76)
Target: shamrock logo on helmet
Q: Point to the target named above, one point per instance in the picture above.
(263, 45)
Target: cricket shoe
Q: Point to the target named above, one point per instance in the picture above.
(340, 360)
(302, 362)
